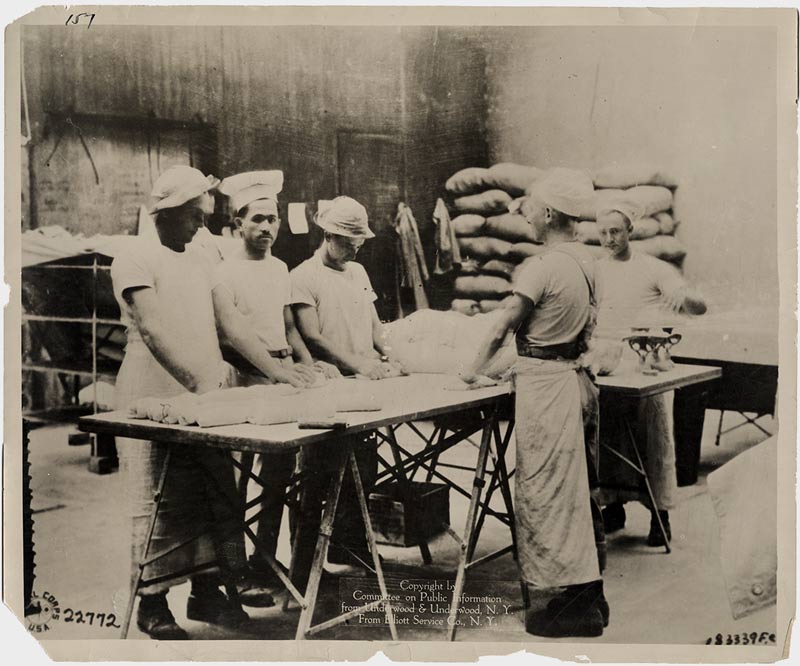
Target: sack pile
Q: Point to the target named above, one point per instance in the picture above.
(494, 237)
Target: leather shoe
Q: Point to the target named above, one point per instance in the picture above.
(614, 517)
(214, 607)
(589, 624)
(655, 538)
(578, 597)
(159, 623)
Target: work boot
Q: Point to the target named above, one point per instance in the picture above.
(589, 593)
(655, 538)
(575, 612)
(614, 517)
(208, 603)
(156, 620)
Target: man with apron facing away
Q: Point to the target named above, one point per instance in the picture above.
(552, 314)
(163, 289)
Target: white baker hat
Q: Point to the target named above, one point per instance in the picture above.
(245, 188)
(569, 191)
(345, 217)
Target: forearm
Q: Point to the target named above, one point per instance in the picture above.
(251, 348)
(300, 352)
(325, 351)
(488, 348)
(171, 357)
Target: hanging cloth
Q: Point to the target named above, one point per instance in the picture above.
(413, 273)
(448, 256)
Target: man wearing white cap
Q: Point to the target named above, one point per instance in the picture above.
(637, 290)
(333, 302)
(252, 287)
(164, 292)
(551, 314)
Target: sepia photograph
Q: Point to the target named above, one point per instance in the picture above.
(441, 331)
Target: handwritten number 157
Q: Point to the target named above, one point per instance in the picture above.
(77, 19)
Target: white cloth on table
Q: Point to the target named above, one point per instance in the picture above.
(343, 301)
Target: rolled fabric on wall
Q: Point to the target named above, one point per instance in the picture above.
(512, 227)
(465, 306)
(484, 248)
(625, 176)
(480, 287)
(485, 203)
(469, 224)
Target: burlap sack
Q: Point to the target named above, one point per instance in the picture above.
(485, 203)
(481, 287)
(666, 223)
(509, 226)
(667, 248)
(521, 251)
(646, 227)
(467, 181)
(465, 306)
(651, 198)
(484, 248)
(512, 178)
(624, 176)
(469, 225)
(586, 232)
(600, 200)
(490, 305)
(498, 267)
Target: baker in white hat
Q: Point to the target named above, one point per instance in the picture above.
(252, 298)
(333, 302)
(636, 290)
(551, 314)
(164, 294)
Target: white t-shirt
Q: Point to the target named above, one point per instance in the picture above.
(182, 284)
(632, 293)
(343, 300)
(557, 286)
(260, 289)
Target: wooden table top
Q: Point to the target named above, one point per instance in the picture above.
(413, 398)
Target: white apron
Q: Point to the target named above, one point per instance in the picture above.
(556, 540)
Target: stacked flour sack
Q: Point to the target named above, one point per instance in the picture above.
(495, 238)
(493, 235)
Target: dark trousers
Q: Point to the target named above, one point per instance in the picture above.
(275, 472)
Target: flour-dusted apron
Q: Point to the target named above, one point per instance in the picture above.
(189, 502)
(554, 399)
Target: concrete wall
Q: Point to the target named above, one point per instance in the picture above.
(699, 102)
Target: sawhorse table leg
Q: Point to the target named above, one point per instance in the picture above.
(305, 627)
(476, 511)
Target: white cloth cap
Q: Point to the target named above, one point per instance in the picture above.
(345, 217)
(568, 191)
(626, 206)
(245, 188)
(179, 184)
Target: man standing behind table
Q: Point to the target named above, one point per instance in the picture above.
(551, 313)
(333, 303)
(254, 285)
(637, 290)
